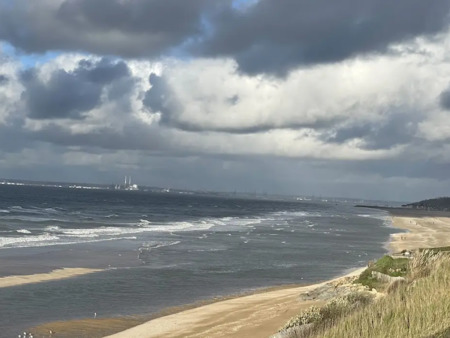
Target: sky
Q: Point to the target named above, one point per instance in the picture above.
(343, 98)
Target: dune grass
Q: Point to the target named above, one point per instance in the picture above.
(387, 265)
(419, 307)
(436, 250)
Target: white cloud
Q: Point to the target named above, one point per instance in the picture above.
(232, 115)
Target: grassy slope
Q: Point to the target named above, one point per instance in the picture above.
(387, 265)
(421, 309)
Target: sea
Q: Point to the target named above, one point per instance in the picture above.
(162, 249)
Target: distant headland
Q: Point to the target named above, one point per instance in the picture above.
(431, 207)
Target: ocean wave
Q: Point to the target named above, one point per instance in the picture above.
(114, 231)
(33, 219)
(208, 250)
(23, 231)
(96, 232)
(387, 221)
(144, 222)
(26, 241)
(51, 210)
(31, 210)
(144, 252)
(49, 240)
(231, 223)
(64, 233)
(294, 214)
(246, 221)
(155, 245)
(52, 228)
(181, 226)
(380, 217)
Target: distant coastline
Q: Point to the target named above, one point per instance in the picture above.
(407, 212)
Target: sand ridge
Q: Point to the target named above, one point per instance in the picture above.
(44, 277)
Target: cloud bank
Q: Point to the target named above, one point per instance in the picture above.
(294, 97)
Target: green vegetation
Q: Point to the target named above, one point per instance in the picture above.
(333, 310)
(309, 316)
(440, 204)
(416, 307)
(387, 265)
(436, 250)
(310, 320)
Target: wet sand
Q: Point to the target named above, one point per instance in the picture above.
(262, 315)
(257, 315)
(44, 277)
(86, 328)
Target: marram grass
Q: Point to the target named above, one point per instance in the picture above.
(420, 309)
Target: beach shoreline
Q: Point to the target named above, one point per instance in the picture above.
(422, 230)
(264, 311)
(117, 325)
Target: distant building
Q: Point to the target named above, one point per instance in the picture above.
(127, 185)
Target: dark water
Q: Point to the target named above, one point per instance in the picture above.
(167, 249)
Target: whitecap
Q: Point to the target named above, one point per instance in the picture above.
(18, 242)
(148, 246)
(23, 231)
(52, 228)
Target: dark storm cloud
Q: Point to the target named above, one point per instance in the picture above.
(398, 128)
(404, 166)
(132, 28)
(71, 94)
(102, 72)
(159, 97)
(275, 36)
(13, 137)
(444, 99)
(267, 37)
(3, 79)
(134, 136)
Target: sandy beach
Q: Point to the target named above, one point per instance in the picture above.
(44, 277)
(255, 315)
(423, 232)
(261, 315)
